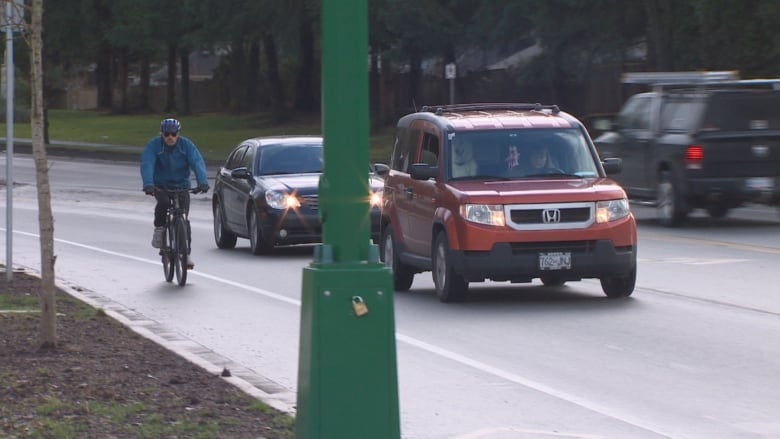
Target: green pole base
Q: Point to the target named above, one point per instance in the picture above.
(347, 373)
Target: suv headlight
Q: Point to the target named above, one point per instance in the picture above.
(282, 200)
(611, 210)
(490, 214)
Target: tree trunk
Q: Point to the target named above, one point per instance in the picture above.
(304, 99)
(48, 336)
(170, 104)
(145, 84)
(122, 79)
(278, 97)
(238, 75)
(184, 59)
(103, 73)
(252, 94)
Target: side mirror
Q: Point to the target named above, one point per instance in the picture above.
(241, 173)
(423, 171)
(602, 124)
(612, 165)
(381, 169)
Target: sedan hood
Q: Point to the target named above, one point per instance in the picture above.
(301, 183)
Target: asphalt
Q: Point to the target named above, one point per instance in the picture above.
(247, 380)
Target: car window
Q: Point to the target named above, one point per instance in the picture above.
(508, 153)
(681, 114)
(739, 111)
(234, 159)
(635, 114)
(400, 149)
(247, 159)
(290, 159)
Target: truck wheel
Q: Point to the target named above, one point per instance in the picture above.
(717, 211)
(670, 206)
(450, 286)
(403, 276)
(619, 286)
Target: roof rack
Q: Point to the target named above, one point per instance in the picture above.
(441, 109)
(722, 78)
(679, 78)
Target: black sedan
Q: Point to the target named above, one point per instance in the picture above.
(267, 192)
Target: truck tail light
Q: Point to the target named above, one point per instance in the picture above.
(694, 157)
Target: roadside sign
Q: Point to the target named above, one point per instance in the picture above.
(449, 71)
(13, 16)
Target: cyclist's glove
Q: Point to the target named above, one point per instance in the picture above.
(149, 190)
(203, 188)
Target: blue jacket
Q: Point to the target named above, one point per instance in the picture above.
(170, 166)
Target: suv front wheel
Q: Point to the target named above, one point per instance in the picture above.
(450, 286)
(619, 286)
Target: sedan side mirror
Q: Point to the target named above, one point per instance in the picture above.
(241, 173)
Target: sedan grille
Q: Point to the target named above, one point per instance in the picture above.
(310, 201)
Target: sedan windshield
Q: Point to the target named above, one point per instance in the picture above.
(289, 159)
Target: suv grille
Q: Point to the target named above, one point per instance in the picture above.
(549, 216)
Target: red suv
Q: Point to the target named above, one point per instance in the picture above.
(503, 192)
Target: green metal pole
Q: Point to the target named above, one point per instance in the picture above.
(347, 373)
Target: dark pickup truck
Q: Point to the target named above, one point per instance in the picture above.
(698, 143)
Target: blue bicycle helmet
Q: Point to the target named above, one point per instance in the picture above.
(170, 126)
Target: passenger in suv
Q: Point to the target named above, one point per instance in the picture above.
(558, 223)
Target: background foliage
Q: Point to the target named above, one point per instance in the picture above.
(269, 49)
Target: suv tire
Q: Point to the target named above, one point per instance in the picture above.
(450, 286)
(670, 206)
(619, 286)
(403, 276)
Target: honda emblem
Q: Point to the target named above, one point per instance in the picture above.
(551, 216)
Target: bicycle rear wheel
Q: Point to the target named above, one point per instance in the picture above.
(167, 255)
(179, 249)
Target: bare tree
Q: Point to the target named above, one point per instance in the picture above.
(48, 334)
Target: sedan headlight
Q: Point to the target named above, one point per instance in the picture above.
(611, 210)
(490, 214)
(376, 198)
(282, 200)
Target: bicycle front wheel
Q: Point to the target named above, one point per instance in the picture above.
(180, 249)
(167, 255)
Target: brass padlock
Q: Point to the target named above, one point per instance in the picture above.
(359, 306)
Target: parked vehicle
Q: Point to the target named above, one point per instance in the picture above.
(699, 140)
(503, 192)
(267, 192)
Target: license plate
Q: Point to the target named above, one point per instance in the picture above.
(555, 261)
(760, 183)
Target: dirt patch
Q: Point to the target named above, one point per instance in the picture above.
(105, 381)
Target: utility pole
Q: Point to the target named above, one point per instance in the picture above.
(12, 21)
(347, 374)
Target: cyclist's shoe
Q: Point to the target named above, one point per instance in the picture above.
(157, 238)
(190, 263)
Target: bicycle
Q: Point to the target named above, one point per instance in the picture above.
(175, 250)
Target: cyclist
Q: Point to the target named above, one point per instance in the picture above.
(166, 163)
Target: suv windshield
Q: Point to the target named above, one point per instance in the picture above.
(521, 153)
